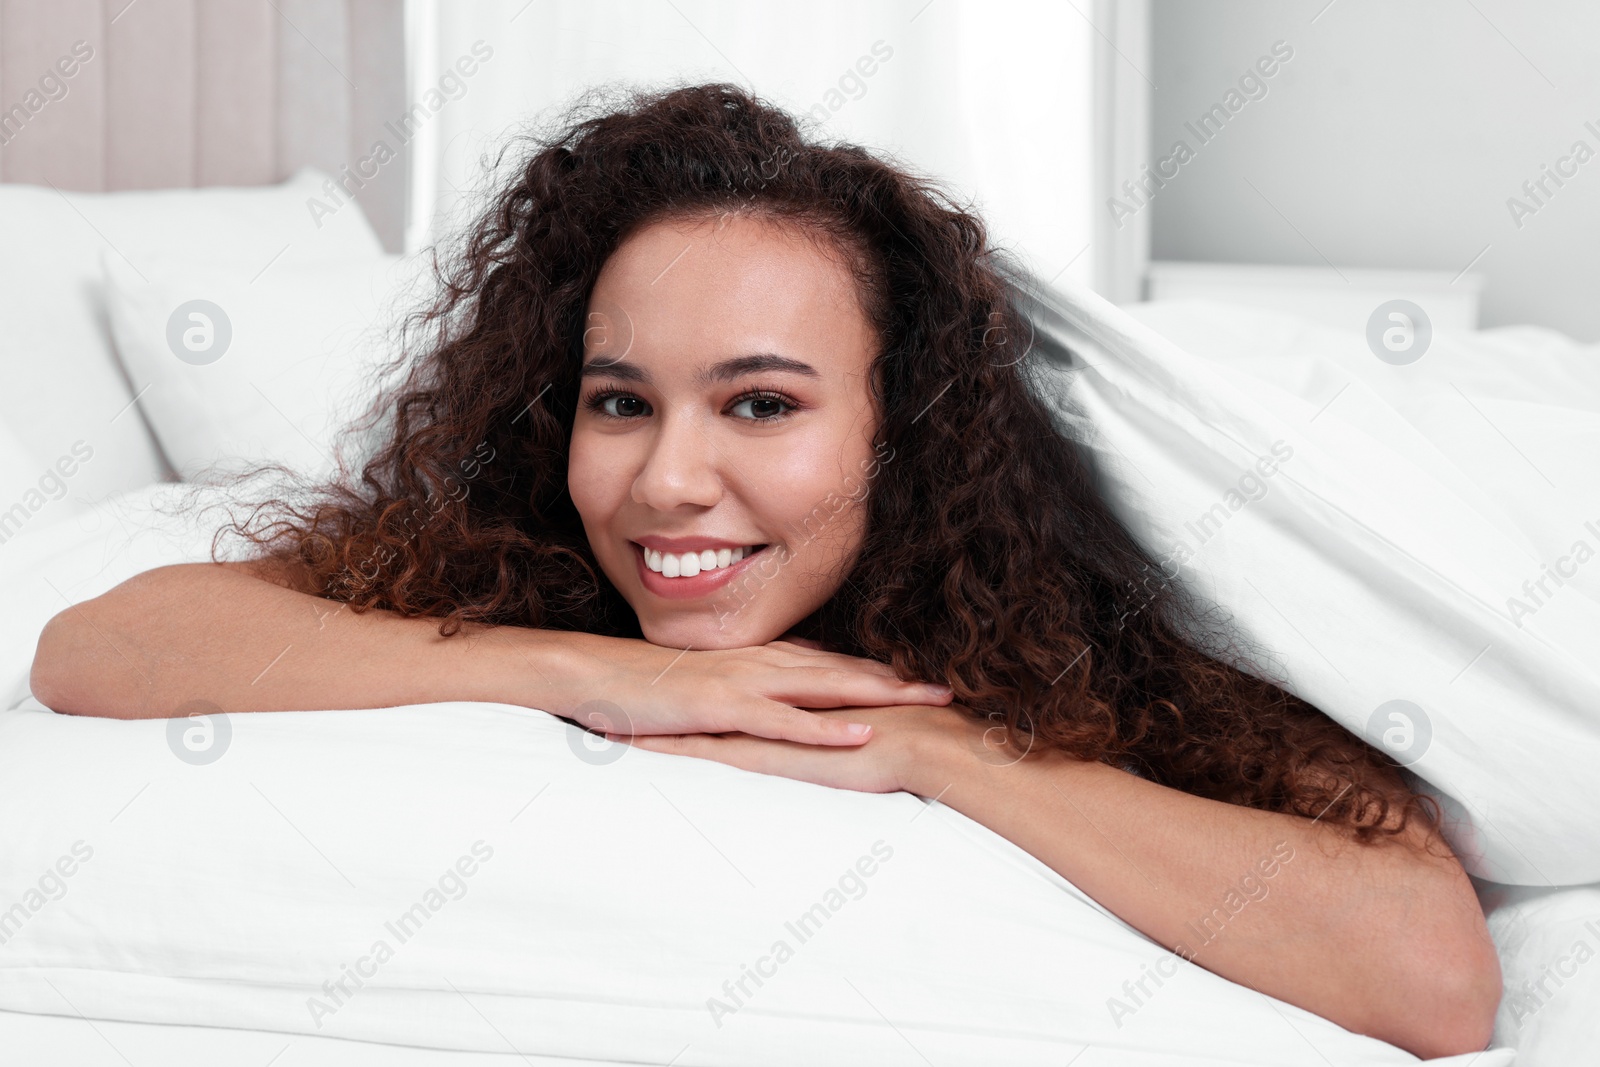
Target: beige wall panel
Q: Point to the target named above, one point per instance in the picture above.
(150, 95)
(61, 140)
(100, 95)
(236, 125)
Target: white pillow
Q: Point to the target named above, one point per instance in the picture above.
(241, 369)
(1549, 941)
(1368, 569)
(59, 379)
(478, 875)
(20, 473)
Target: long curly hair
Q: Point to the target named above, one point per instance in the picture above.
(991, 562)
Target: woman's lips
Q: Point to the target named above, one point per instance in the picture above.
(690, 588)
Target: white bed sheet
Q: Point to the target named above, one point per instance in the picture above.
(59, 1041)
(55, 1041)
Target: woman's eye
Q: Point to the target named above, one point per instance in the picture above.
(623, 406)
(761, 408)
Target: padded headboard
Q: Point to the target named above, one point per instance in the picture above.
(182, 93)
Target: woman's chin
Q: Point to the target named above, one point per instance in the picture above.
(708, 632)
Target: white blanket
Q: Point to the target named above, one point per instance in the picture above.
(1382, 534)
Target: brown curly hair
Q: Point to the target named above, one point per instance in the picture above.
(990, 561)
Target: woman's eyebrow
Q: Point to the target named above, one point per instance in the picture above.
(725, 371)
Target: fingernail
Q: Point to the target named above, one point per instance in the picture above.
(859, 728)
(942, 690)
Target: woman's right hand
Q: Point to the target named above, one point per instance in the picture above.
(629, 686)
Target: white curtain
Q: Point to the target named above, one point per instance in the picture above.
(992, 98)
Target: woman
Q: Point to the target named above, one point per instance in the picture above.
(728, 435)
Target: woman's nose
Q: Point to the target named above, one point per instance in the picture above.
(681, 467)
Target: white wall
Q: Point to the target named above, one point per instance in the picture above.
(1393, 139)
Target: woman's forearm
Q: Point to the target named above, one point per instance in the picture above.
(218, 634)
(1380, 939)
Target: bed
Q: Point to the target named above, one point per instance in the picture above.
(113, 962)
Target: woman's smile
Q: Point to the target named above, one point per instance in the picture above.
(698, 567)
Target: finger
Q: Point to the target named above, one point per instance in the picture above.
(736, 750)
(705, 746)
(834, 687)
(778, 721)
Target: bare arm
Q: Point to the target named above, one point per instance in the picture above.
(1385, 939)
(241, 636)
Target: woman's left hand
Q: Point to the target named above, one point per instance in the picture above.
(907, 750)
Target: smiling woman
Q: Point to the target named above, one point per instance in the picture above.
(767, 465)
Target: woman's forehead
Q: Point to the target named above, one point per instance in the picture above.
(720, 287)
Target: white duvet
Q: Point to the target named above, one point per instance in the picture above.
(1384, 535)
(480, 877)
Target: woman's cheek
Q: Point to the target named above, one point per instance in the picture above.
(590, 477)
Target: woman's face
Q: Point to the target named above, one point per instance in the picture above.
(724, 411)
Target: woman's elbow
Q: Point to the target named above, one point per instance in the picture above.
(51, 676)
(1459, 979)
(1474, 993)
(66, 664)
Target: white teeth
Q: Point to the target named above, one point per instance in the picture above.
(689, 564)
